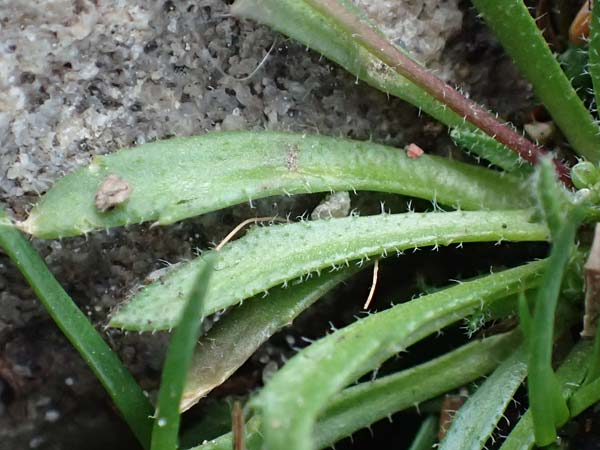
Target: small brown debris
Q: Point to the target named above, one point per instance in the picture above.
(580, 28)
(413, 151)
(113, 191)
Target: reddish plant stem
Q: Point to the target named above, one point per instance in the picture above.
(405, 66)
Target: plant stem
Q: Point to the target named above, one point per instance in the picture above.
(116, 379)
(405, 66)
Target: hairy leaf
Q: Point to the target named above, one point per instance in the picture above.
(235, 337)
(476, 420)
(361, 405)
(324, 368)
(289, 251)
(479, 143)
(178, 178)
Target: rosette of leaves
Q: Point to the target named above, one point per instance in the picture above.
(528, 195)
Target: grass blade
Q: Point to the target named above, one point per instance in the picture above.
(476, 420)
(570, 375)
(324, 368)
(116, 379)
(536, 62)
(179, 355)
(292, 250)
(359, 406)
(179, 178)
(547, 405)
(235, 337)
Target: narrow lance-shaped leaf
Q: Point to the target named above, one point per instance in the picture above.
(235, 337)
(171, 180)
(179, 355)
(536, 62)
(325, 367)
(359, 406)
(293, 250)
(118, 382)
(477, 419)
(316, 30)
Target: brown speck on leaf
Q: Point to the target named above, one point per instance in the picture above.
(413, 151)
(113, 191)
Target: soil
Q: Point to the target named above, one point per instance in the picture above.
(81, 78)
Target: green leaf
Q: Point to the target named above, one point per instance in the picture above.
(479, 143)
(585, 397)
(359, 406)
(536, 62)
(293, 250)
(118, 382)
(177, 362)
(476, 420)
(570, 375)
(298, 20)
(235, 337)
(321, 370)
(548, 408)
(179, 178)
